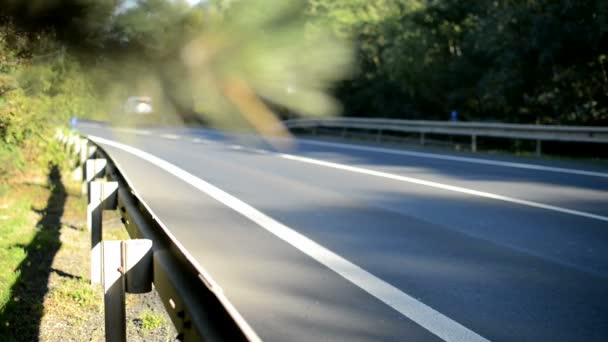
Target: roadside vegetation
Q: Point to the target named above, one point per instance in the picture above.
(506, 61)
(44, 246)
(45, 291)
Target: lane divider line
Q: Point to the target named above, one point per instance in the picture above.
(425, 316)
(170, 136)
(199, 141)
(442, 186)
(535, 167)
(260, 151)
(131, 130)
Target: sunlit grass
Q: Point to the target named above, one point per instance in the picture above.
(16, 231)
(151, 320)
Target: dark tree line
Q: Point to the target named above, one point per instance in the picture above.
(526, 61)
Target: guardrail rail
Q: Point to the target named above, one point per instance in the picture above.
(538, 133)
(151, 260)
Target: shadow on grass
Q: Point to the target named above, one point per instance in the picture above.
(20, 318)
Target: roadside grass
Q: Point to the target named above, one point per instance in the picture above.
(31, 212)
(151, 320)
(45, 291)
(15, 235)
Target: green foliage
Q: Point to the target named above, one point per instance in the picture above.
(516, 61)
(220, 62)
(77, 292)
(151, 320)
(40, 88)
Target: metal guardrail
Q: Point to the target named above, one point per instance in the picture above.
(196, 305)
(537, 133)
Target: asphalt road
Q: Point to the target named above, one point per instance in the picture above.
(388, 246)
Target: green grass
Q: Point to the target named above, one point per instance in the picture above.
(77, 292)
(44, 266)
(16, 234)
(151, 320)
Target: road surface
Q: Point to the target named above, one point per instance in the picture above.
(335, 242)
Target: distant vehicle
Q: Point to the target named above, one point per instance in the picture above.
(138, 105)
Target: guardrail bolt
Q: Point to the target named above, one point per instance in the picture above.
(181, 314)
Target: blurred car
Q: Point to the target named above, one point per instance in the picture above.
(138, 105)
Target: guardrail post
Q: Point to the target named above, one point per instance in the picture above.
(473, 143)
(72, 145)
(379, 135)
(66, 143)
(87, 151)
(422, 138)
(138, 265)
(93, 168)
(83, 149)
(539, 147)
(114, 291)
(127, 268)
(103, 195)
(78, 149)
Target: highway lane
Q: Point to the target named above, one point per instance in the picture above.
(504, 270)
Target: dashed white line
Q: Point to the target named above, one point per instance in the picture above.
(427, 317)
(131, 130)
(442, 186)
(260, 151)
(535, 167)
(199, 141)
(170, 136)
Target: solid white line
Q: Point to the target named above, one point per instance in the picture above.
(204, 275)
(432, 320)
(170, 136)
(442, 186)
(535, 167)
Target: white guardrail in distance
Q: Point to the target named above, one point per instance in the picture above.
(538, 133)
(197, 307)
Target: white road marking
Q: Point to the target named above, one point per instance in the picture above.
(198, 141)
(260, 151)
(430, 319)
(535, 167)
(130, 130)
(236, 147)
(170, 136)
(442, 186)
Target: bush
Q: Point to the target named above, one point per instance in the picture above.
(41, 87)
